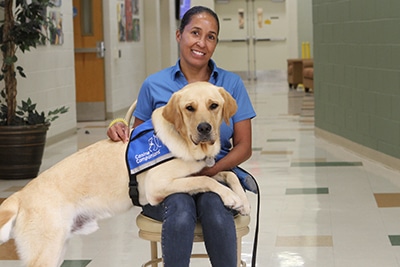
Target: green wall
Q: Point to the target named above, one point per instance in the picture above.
(357, 71)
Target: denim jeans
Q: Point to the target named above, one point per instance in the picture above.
(179, 214)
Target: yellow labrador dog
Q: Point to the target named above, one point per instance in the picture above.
(92, 184)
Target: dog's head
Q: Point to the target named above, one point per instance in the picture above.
(197, 111)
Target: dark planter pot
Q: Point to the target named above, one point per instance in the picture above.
(21, 150)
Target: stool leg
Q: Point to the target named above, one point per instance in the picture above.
(153, 251)
(239, 251)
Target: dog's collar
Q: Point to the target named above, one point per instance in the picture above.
(210, 161)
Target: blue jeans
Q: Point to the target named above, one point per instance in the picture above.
(179, 214)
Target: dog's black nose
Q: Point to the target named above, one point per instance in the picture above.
(204, 128)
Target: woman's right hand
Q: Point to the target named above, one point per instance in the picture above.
(118, 132)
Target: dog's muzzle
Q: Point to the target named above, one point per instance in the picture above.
(204, 128)
(204, 134)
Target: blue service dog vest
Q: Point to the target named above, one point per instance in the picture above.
(145, 150)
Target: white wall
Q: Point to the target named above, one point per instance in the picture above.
(125, 74)
(293, 37)
(168, 26)
(305, 24)
(160, 27)
(51, 76)
(207, 3)
(153, 36)
(157, 49)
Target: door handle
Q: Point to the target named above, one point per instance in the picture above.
(99, 49)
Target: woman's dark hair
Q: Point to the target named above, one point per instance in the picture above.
(187, 17)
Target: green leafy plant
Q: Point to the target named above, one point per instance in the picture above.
(22, 29)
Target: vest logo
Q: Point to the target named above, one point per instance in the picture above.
(152, 152)
(145, 149)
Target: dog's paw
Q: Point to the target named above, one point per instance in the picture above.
(245, 209)
(233, 201)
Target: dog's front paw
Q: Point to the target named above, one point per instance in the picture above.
(233, 201)
(245, 210)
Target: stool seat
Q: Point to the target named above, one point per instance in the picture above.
(150, 229)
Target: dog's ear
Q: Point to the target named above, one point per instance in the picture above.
(172, 112)
(230, 106)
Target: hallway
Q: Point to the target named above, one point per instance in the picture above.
(321, 205)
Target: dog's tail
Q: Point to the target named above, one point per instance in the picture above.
(8, 214)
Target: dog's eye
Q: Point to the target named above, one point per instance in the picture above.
(213, 106)
(190, 108)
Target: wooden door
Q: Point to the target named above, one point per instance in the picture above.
(89, 60)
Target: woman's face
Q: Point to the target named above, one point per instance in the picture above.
(198, 40)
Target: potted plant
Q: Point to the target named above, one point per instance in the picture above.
(22, 128)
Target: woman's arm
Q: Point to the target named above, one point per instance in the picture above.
(240, 152)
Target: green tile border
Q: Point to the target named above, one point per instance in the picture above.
(75, 263)
(326, 164)
(394, 240)
(307, 191)
(276, 152)
(281, 140)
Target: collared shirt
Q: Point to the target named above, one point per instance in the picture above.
(157, 89)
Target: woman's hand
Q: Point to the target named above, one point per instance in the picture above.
(118, 132)
(208, 171)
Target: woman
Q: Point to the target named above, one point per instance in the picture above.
(197, 38)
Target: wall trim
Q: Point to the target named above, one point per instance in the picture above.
(117, 114)
(59, 137)
(386, 160)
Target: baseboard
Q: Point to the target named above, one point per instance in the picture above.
(90, 111)
(388, 161)
(59, 137)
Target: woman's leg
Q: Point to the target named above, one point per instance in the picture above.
(218, 229)
(178, 214)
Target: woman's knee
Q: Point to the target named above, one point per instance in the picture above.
(210, 205)
(180, 208)
(210, 201)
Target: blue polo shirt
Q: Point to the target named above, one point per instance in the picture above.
(157, 89)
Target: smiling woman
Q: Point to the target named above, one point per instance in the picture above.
(197, 37)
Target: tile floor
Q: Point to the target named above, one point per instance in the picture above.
(321, 205)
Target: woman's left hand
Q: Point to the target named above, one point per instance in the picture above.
(208, 171)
